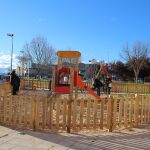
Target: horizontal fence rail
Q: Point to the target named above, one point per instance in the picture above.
(41, 113)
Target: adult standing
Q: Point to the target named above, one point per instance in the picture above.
(97, 85)
(108, 85)
(15, 82)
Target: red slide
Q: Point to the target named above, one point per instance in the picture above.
(82, 84)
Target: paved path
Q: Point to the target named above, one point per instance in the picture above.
(136, 139)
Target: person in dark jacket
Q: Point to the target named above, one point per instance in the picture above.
(108, 85)
(97, 85)
(15, 82)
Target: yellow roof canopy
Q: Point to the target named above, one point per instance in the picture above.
(68, 54)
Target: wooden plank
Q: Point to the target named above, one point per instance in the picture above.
(34, 117)
(95, 113)
(15, 109)
(10, 110)
(57, 113)
(37, 112)
(148, 109)
(20, 110)
(126, 104)
(131, 112)
(51, 113)
(81, 113)
(144, 106)
(1, 107)
(74, 114)
(31, 112)
(70, 100)
(26, 111)
(142, 109)
(120, 112)
(64, 113)
(108, 113)
(145, 118)
(102, 114)
(111, 114)
(5, 108)
(114, 112)
(44, 112)
(88, 113)
(136, 111)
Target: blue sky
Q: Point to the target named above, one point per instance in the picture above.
(97, 28)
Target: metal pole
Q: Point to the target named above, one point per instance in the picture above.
(11, 35)
(11, 53)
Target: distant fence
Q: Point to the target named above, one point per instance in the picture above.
(131, 88)
(39, 84)
(117, 87)
(42, 113)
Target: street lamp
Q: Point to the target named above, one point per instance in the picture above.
(11, 35)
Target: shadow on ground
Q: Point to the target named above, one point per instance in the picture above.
(136, 139)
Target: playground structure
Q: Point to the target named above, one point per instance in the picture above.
(93, 69)
(65, 75)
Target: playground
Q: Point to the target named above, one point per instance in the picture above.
(71, 102)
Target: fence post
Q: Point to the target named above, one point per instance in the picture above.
(35, 114)
(70, 100)
(136, 110)
(111, 114)
(51, 112)
(5, 108)
(102, 113)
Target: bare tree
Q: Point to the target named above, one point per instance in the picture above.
(40, 52)
(136, 57)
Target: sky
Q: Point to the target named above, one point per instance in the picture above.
(96, 28)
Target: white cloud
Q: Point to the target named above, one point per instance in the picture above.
(5, 61)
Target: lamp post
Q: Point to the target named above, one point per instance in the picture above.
(11, 35)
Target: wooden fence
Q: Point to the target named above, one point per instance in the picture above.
(39, 84)
(5, 88)
(117, 87)
(41, 113)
